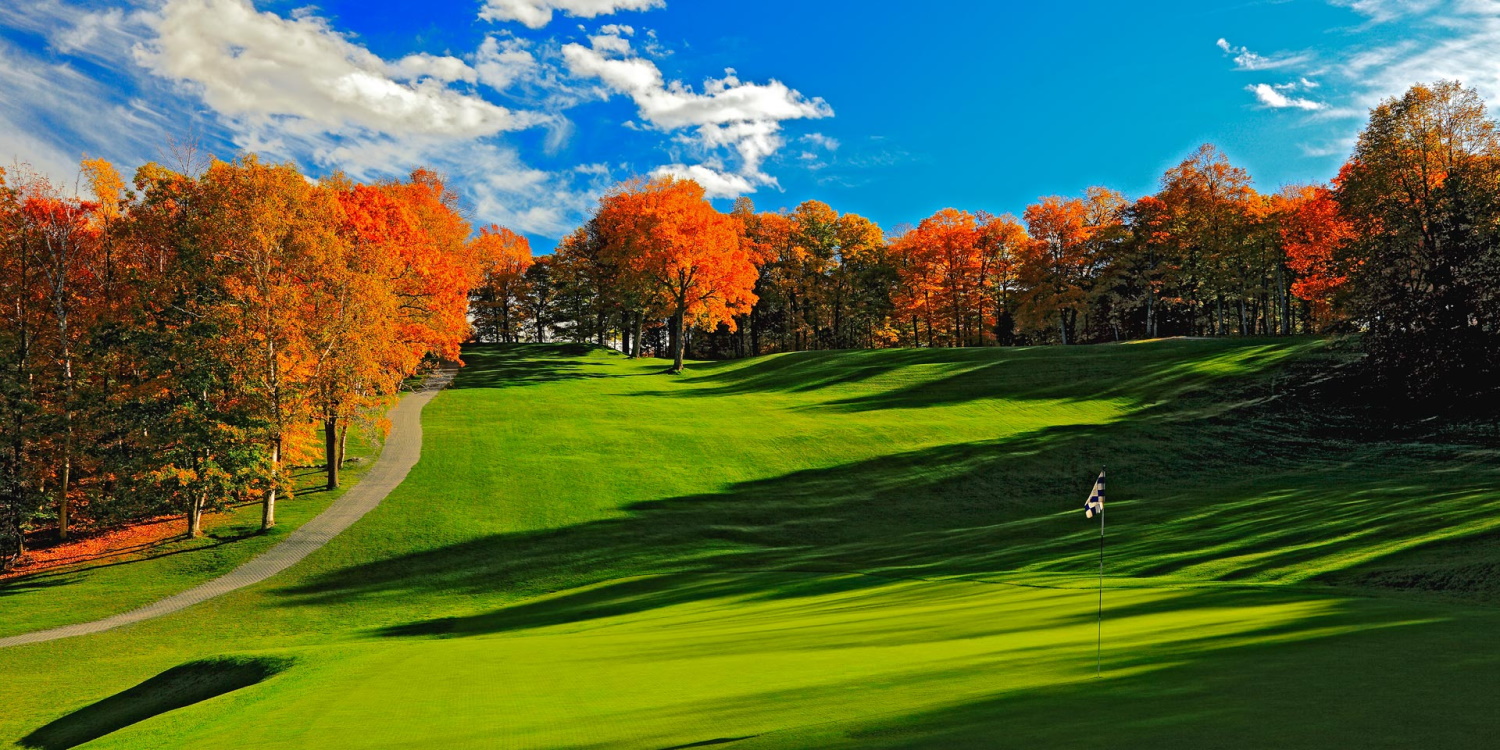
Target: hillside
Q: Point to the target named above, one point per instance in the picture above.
(863, 549)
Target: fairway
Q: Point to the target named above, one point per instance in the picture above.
(843, 549)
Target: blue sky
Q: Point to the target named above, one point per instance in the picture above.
(888, 109)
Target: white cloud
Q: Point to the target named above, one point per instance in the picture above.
(538, 13)
(1467, 52)
(1381, 11)
(254, 65)
(728, 115)
(501, 62)
(55, 100)
(1269, 96)
(1400, 43)
(821, 141)
(716, 182)
(437, 67)
(55, 112)
(293, 87)
(1245, 59)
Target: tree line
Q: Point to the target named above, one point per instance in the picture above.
(179, 343)
(1400, 247)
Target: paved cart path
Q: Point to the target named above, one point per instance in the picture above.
(402, 449)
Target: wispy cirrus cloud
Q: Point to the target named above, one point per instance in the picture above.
(1399, 43)
(1246, 59)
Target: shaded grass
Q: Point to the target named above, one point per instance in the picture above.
(857, 549)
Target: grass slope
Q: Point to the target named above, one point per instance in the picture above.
(862, 549)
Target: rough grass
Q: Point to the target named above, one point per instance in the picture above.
(861, 549)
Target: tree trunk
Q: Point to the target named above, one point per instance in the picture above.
(268, 509)
(1150, 313)
(754, 333)
(678, 341)
(331, 451)
(62, 491)
(195, 516)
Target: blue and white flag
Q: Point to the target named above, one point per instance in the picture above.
(1095, 503)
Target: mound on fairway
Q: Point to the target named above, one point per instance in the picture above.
(862, 549)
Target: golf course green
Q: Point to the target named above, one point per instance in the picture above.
(837, 549)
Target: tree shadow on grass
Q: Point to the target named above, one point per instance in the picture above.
(510, 365)
(175, 688)
(921, 378)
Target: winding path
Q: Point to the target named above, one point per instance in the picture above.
(402, 449)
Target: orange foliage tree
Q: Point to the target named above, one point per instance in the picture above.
(497, 302)
(1312, 233)
(690, 258)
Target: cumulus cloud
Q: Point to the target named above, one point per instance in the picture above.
(1272, 96)
(729, 117)
(294, 87)
(501, 62)
(716, 181)
(538, 13)
(255, 65)
(437, 67)
(288, 88)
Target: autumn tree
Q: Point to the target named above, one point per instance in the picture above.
(688, 256)
(497, 301)
(1073, 242)
(1313, 234)
(20, 289)
(943, 278)
(539, 292)
(1420, 195)
(189, 436)
(270, 229)
(1211, 202)
(1002, 246)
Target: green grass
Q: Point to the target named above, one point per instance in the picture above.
(120, 583)
(856, 549)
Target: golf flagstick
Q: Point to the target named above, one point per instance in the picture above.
(1095, 504)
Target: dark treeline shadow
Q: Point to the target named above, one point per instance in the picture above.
(175, 688)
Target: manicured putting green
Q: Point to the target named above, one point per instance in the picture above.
(859, 549)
